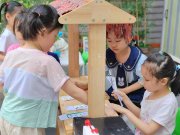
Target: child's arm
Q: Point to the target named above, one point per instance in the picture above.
(130, 105)
(132, 88)
(83, 84)
(2, 56)
(1, 87)
(71, 89)
(146, 128)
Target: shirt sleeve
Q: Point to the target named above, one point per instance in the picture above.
(138, 68)
(2, 70)
(108, 78)
(3, 43)
(164, 114)
(56, 75)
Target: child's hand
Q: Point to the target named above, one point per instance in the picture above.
(122, 94)
(109, 111)
(118, 108)
(114, 94)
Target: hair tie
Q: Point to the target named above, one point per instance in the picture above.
(36, 14)
(7, 3)
(161, 52)
(177, 67)
(175, 72)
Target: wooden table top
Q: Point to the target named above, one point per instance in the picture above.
(68, 124)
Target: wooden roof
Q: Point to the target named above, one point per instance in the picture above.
(97, 12)
(63, 6)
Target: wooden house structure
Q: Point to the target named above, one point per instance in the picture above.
(96, 14)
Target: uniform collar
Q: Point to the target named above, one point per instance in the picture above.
(131, 62)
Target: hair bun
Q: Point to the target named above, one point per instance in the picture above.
(36, 14)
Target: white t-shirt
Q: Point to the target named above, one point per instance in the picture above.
(7, 38)
(32, 80)
(162, 111)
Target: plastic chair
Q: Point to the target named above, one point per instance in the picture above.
(177, 128)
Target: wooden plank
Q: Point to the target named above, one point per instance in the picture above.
(60, 129)
(166, 22)
(73, 39)
(154, 16)
(155, 23)
(91, 13)
(154, 35)
(177, 53)
(66, 127)
(153, 10)
(68, 123)
(172, 27)
(96, 70)
(155, 29)
(157, 3)
(157, 40)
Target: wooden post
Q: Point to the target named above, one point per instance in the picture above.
(96, 70)
(73, 38)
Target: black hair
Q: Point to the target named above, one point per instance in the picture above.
(38, 18)
(18, 20)
(161, 65)
(9, 7)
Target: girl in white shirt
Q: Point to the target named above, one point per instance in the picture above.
(7, 37)
(32, 79)
(159, 105)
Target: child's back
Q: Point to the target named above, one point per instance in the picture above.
(31, 86)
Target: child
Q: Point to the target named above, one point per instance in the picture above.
(123, 62)
(32, 79)
(7, 37)
(17, 21)
(159, 105)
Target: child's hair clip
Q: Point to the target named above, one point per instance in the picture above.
(177, 67)
(161, 52)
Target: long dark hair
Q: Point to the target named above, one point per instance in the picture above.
(9, 7)
(161, 65)
(38, 18)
